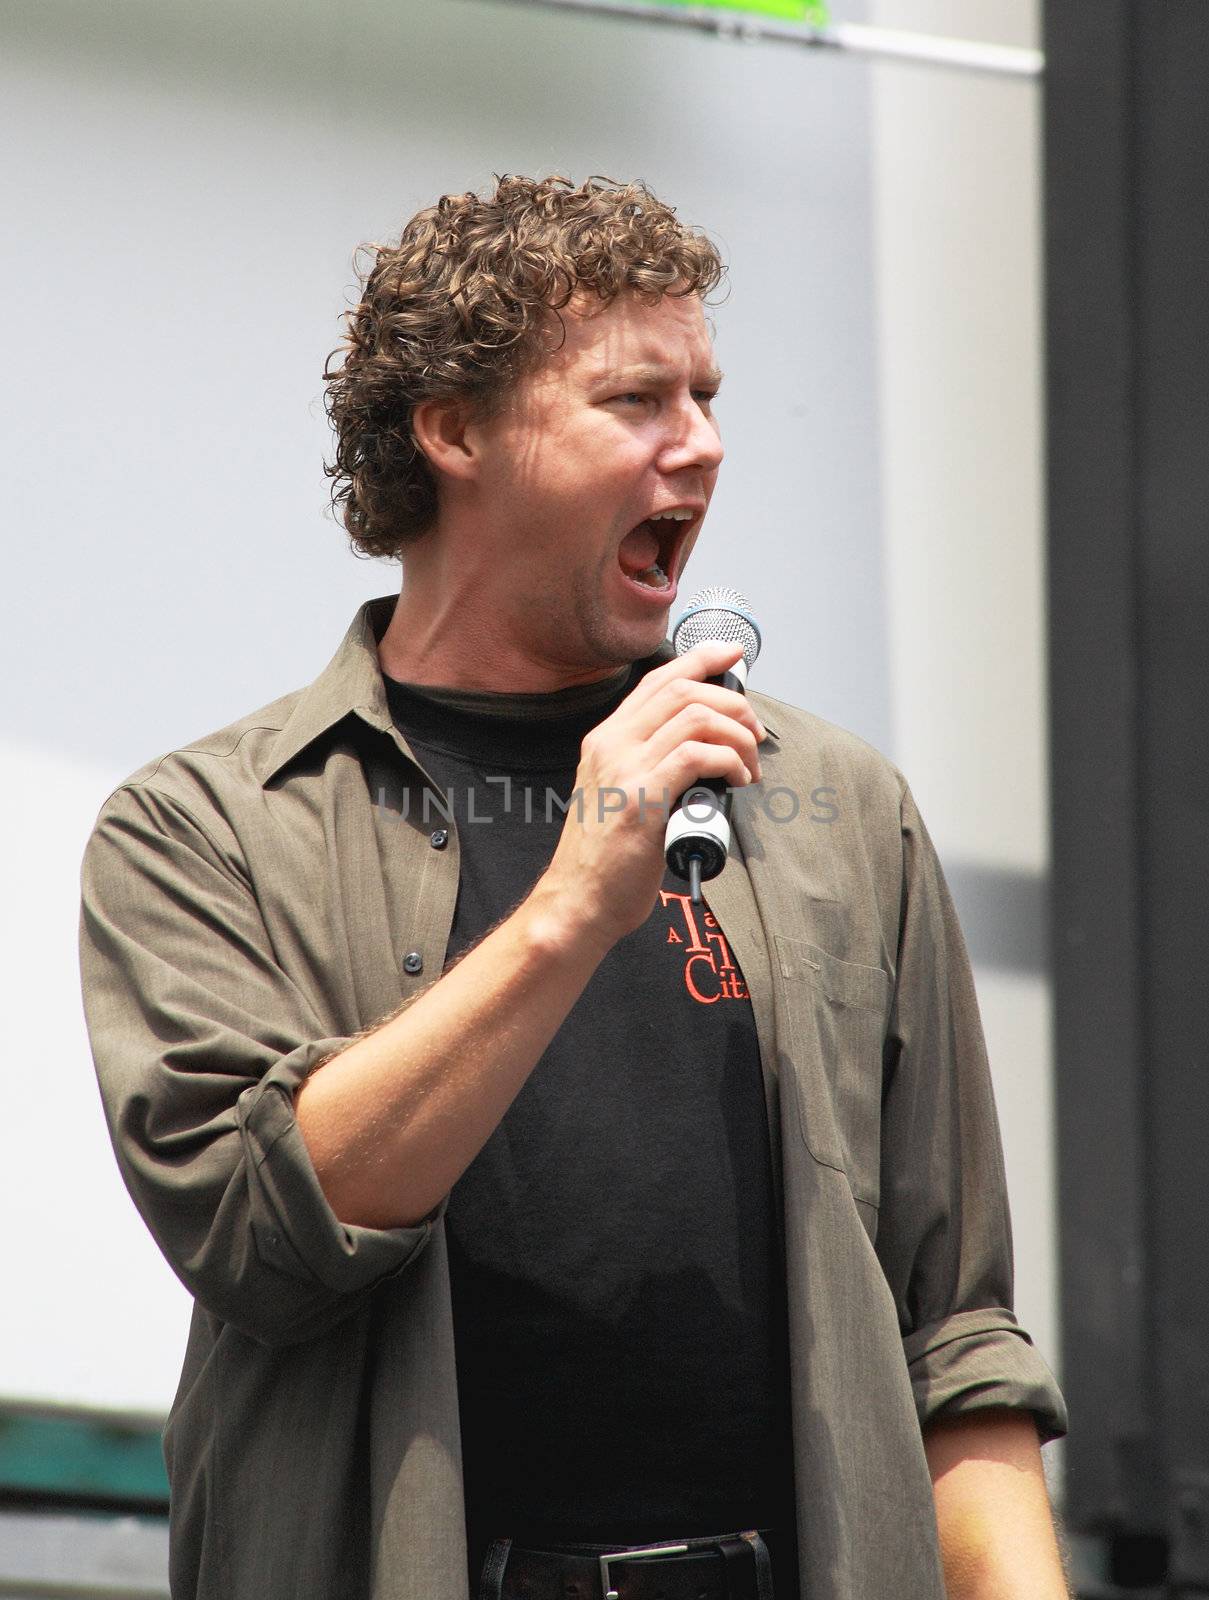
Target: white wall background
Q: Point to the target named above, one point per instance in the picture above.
(183, 191)
(956, 200)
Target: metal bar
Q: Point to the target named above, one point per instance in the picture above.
(856, 38)
(72, 1589)
(1004, 60)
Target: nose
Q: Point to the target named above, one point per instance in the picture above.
(694, 441)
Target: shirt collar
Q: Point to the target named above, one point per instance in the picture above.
(350, 685)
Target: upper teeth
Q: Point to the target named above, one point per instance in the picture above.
(680, 514)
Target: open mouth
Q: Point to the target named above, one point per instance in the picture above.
(649, 554)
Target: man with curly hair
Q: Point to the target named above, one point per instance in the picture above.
(551, 1234)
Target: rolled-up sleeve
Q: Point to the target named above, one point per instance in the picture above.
(200, 1040)
(944, 1233)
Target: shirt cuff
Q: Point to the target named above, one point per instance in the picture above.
(976, 1360)
(294, 1228)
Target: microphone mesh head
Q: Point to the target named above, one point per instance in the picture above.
(718, 613)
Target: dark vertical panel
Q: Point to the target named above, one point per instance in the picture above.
(1127, 175)
(1094, 649)
(1173, 457)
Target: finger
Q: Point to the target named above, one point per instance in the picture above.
(677, 683)
(702, 724)
(679, 693)
(708, 660)
(694, 760)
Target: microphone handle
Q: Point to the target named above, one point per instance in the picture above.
(697, 840)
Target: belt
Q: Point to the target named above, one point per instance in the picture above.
(734, 1566)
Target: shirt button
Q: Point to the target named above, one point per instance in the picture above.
(413, 962)
(439, 839)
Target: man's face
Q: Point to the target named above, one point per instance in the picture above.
(596, 476)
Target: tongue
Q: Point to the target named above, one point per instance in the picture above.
(639, 550)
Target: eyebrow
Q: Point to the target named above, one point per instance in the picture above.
(655, 375)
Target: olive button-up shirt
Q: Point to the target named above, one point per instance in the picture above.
(249, 907)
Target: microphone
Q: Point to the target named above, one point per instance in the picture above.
(697, 839)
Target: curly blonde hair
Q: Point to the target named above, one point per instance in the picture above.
(462, 306)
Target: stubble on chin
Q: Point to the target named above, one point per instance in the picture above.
(614, 643)
(574, 625)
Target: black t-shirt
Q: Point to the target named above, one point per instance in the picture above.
(618, 1288)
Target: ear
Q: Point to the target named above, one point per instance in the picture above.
(440, 429)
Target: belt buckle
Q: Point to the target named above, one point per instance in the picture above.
(634, 1555)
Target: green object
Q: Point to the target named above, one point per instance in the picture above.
(814, 12)
(91, 1457)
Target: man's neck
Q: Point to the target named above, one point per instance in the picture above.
(448, 646)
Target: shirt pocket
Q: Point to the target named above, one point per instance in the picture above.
(833, 1018)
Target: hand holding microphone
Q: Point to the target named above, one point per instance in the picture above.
(686, 723)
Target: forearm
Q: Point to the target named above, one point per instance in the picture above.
(997, 1537)
(394, 1120)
